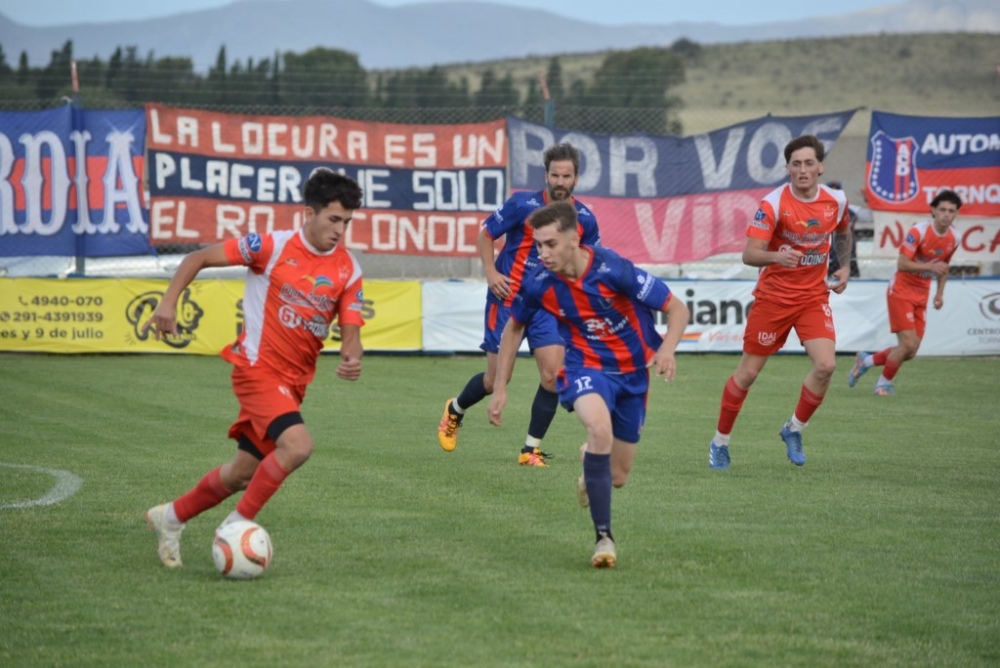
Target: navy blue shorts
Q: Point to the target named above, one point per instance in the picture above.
(541, 331)
(626, 395)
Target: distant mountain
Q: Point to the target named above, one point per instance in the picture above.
(440, 33)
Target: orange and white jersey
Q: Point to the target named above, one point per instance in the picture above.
(784, 220)
(293, 294)
(922, 244)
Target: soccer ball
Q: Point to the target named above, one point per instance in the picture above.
(241, 550)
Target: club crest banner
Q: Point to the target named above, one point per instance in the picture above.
(911, 158)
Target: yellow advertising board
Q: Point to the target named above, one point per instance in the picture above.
(106, 315)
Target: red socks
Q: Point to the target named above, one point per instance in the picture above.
(879, 358)
(809, 401)
(732, 401)
(265, 482)
(208, 493)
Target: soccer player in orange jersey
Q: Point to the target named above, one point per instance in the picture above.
(297, 284)
(925, 254)
(789, 239)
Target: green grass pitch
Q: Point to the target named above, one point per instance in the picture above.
(884, 550)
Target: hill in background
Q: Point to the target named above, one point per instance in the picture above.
(436, 33)
(932, 74)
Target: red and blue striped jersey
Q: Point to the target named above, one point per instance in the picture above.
(605, 317)
(519, 255)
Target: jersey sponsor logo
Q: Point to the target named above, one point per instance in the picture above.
(292, 295)
(893, 174)
(759, 224)
(806, 224)
(830, 213)
(600, 328)
(249, 246)
(646, 283)
(811, 259)
(760, 215)
(603, 269)
(767, 339)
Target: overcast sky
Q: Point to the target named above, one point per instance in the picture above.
(609, 12)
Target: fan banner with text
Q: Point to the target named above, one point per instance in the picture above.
(665, 199)
(71, 183)
(213, 176)
(911, 158)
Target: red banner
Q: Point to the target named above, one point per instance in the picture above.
(427, 187)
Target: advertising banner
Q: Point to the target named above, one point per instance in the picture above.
(664, 199)
(969, 323)
(427, 187)
(910, 158)
(107, 315)
(71, 183)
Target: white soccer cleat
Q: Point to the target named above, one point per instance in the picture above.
(169, 547)
(604, 553)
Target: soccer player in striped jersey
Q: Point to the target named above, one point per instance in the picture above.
(603, 305)
(925, 254)
(789, 239)
(503, 277)
(297, 284)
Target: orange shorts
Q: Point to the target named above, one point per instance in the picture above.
(904, 314)
(768, 325)
(263, 397)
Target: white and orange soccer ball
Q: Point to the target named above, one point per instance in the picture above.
(241, 550)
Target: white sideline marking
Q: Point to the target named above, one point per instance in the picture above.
(66, 486)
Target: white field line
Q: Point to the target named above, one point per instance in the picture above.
(66, 486)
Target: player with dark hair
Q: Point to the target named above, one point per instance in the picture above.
(789, 239)
(604, 308)
(925, 254)
(297, 284)
(503, 277)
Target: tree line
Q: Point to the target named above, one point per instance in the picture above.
(631, 89)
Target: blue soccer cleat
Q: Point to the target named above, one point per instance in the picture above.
(793, 446)
(859, 369)
(886, 390)
(718, 456)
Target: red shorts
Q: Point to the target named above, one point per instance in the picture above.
(263, 396)
(768, 325)
(904, 314)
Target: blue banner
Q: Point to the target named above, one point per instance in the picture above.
(71, 183)
(747, 156)
(663, 199)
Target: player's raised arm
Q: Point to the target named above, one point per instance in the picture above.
(164, 319)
